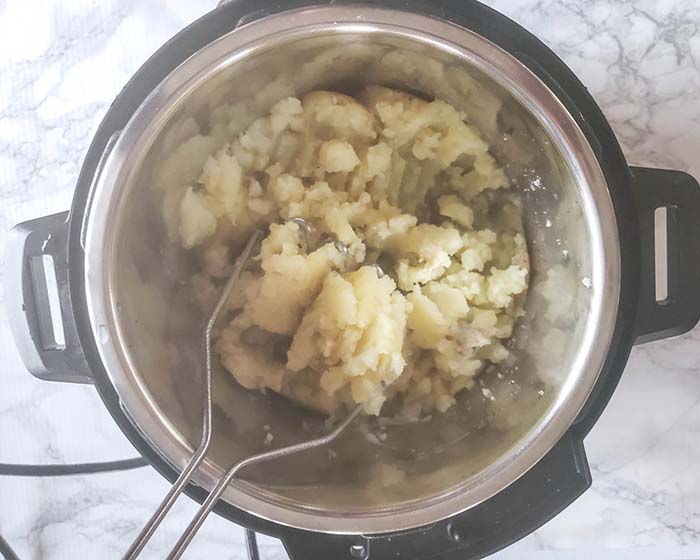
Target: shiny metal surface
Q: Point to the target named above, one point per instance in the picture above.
(146, 325)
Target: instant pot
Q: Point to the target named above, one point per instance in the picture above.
(460, 485)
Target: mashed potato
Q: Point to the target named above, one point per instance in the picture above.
(394, 263)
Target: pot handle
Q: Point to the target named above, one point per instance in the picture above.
(676, 309)
(38, 300)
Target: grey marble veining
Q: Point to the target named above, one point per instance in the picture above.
(61, 64)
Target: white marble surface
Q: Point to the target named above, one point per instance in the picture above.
(61, 64)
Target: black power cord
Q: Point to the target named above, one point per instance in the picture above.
(251, 544)
(6, 550)
(9, 469)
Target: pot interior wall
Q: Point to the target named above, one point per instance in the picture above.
(162, 326)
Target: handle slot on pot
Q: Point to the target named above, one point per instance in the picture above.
(661, 219)
(48, 307)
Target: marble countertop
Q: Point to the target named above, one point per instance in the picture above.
(62, 63)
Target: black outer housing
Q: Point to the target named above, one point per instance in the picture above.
(563, 474)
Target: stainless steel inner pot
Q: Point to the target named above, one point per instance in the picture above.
(148, 328)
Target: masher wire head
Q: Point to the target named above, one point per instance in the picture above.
(200, 454)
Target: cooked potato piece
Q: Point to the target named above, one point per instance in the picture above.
(196, 219)
(338, 155)
(334, 116)
(353, 335)
(452, 207)
(372, 96)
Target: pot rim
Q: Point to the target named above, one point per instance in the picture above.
(460, 42)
